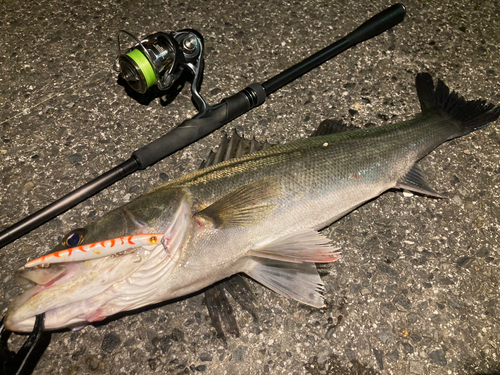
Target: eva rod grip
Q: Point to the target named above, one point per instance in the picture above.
(377, 24)
(196, 128)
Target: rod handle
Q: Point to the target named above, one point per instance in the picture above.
(377, 24)
(196, 128)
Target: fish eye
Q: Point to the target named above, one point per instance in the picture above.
(74, 238)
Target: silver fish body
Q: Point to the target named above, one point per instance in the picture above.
(257, 214)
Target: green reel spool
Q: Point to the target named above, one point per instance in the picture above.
(137, 71)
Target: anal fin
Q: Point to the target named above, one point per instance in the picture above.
(415, 181)
(299, 281)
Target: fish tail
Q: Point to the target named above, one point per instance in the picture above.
(469, 115)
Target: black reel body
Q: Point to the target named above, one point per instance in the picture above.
(159, 59)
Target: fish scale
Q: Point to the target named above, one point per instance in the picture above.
(344, 154)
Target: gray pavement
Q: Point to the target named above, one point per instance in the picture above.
(416, 291)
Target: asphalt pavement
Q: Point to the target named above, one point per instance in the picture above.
(416, 290)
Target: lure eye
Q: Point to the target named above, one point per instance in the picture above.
(74, 238)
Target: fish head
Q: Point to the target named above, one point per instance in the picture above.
(73, 294)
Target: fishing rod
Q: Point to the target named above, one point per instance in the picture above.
(159, 60)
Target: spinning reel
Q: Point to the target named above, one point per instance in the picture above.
(160, 59)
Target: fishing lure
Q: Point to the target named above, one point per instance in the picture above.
(99, 249)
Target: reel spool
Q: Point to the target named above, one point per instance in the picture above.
(159, 59)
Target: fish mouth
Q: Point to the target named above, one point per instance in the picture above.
(28, 278)
(37, 282)
(73, 294)
(32, 281)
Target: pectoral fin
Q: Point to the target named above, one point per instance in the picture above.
(302, 247)
(299, 281)
(221, 311)
(244, 206)
(415, 181)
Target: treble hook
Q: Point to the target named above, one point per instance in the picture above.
(24, 361)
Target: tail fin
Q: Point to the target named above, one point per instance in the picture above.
(471, 115)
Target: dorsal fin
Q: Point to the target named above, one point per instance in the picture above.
(329, 126)
(232, 147)
(235, 146)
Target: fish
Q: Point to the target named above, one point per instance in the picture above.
(258, 214)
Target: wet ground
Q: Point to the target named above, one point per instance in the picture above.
(416, 291)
